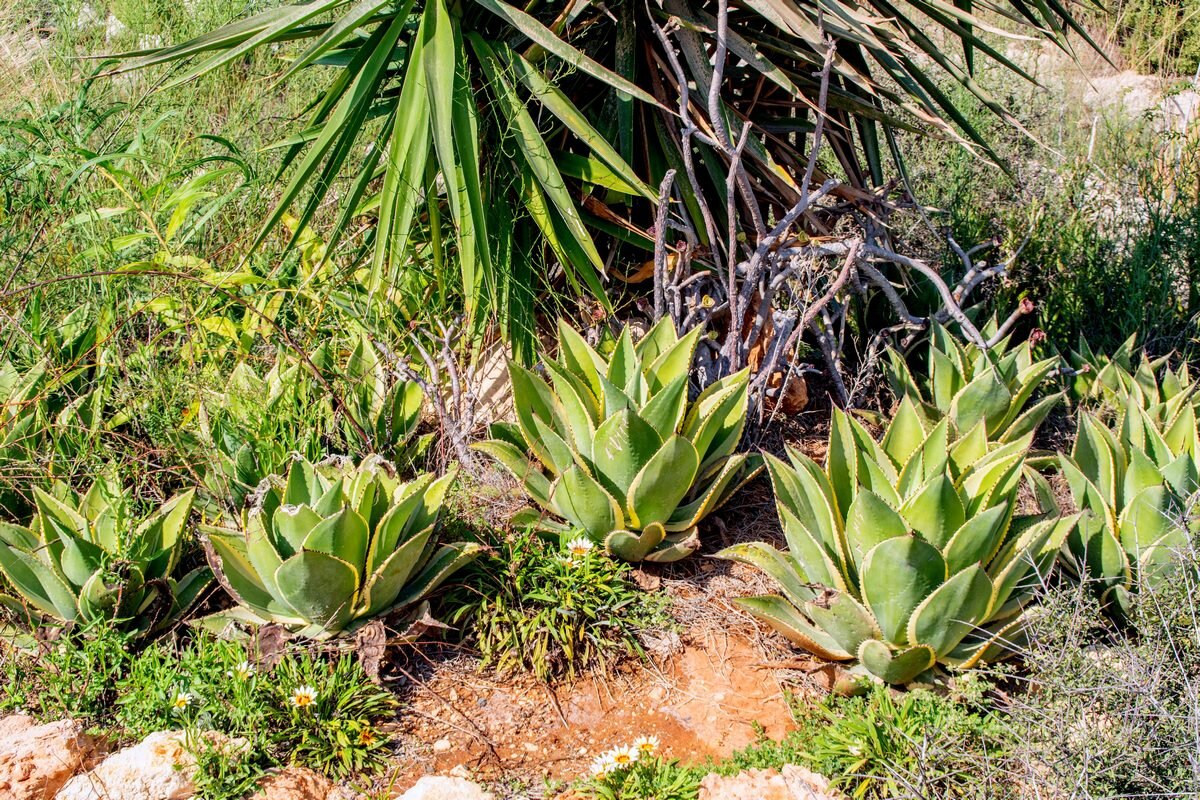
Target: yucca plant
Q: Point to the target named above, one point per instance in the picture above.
(1133, 483)
(469, 109)
(618, 451)
(336, 544)
(969, 384)
(85, 558)
(904, 554)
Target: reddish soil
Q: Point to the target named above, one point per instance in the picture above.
(701, 702)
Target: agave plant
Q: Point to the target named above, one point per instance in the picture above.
(904, 554)
(969, 384)
(620, 453)
(473, 108)
(1128, 376)
(84, 558)
(1132, 483)
(249, 429)
(334, 544)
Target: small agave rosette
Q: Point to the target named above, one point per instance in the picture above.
(82, 559)
(968, 385)
(617, 450)
(906, 553)
(335, 545)
(1132, 484)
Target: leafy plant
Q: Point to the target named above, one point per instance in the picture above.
(336, 544)
(554, 610)
(249, 429)
(1133, 484)
(886, 744)
(621, 453)
(306, 709)
(407, 77)
(904, 554)
(74, 676)
(967, 384)
(378, 407)
(638, 771)
(85, 558)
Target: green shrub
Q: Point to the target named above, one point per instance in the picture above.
(554, 610)
(915, 744)
(310, 710)
(88, 557)
(1163, 35)
(333, 544)
(75, 676)
(1111, 709)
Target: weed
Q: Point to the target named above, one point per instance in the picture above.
(77, 675)
(554, 612)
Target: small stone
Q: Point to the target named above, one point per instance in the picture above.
(442, 746)
(446, 788)
(530, 747)
(299, 783)
(792, 783)
(36, 760)
(461, 771)
(158, 768)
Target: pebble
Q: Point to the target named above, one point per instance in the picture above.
(441, 746)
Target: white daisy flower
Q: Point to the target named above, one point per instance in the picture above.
(181, 702)
(243, 671)
(624, 757)
(303, 696)
(602, 766)
(646, 745)
(580, 546)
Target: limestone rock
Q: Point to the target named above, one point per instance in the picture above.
(299, 783)
(158, 768)
(443, 788)
(36, 760)
(793, 783)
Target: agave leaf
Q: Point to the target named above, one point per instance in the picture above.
(582, 500)
(985, 398)
(870, 522)
(242, 579)
(897, 575)
(674, 362)
(936, 512)
(784, 618)
(661, 485)
(385, 583)
(448, 559)
(624, 444)
(952, 611)
(895, 667)
(634, 546)
(780, 566)
(905, 434)
(38, 584)
(665, 410)
(846, 620)
(978, 540)
(320, 587)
